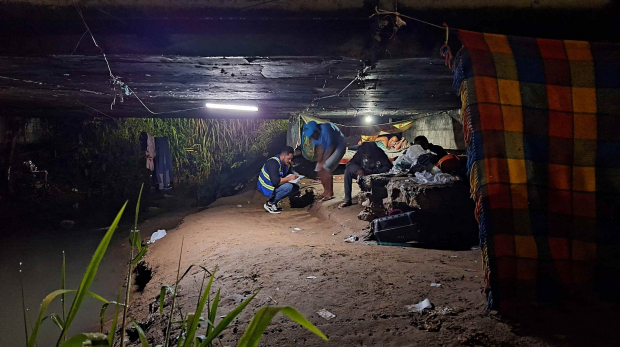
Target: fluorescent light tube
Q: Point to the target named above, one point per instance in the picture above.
(232, 107)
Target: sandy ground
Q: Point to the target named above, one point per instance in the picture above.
(367, 287)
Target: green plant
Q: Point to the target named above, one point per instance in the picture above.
(82, 290)
(190, 323)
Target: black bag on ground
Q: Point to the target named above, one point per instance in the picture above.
(402, 227)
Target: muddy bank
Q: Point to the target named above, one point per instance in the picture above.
(368, 288)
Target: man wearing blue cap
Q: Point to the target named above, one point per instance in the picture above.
(330, 146)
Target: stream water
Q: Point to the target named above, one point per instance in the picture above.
(40, 251)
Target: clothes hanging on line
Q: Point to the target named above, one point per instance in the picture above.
(151, 153)
(163, 163)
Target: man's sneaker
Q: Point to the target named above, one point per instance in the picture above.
(278, 206)
(271, 208)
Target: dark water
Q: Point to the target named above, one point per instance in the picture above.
(40, 251)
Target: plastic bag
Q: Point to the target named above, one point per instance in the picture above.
(426, 177)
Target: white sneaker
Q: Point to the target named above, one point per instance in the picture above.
(271, 208)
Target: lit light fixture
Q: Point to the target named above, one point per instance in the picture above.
(233, 107)
(369, 119)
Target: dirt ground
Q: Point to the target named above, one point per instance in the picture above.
(367, 287)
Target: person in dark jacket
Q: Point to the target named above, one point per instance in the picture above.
(369, 159)
(423, 141)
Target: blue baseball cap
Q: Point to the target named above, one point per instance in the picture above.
(310, 128)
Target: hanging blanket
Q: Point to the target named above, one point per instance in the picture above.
(542, 125)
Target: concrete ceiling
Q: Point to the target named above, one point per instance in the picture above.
(323, 5)
(159, 47)
(280, 86)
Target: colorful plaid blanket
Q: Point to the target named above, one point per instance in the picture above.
(542, 125)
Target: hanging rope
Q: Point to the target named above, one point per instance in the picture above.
(116, 81)
(379, 12)
(445, 49)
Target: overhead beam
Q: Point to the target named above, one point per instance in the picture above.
(278, 86)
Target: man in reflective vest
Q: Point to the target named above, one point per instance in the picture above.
(274, 179)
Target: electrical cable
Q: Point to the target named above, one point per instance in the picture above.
(116, 80)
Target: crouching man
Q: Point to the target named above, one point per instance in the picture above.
(274, 179)
(369, 159)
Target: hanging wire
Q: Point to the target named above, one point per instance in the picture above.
(379, 12)
(116, 81)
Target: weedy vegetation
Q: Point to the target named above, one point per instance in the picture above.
(197, 328)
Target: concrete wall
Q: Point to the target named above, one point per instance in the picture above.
(441, 128)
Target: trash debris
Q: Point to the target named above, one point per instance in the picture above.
(475, 248)
(326, 314)
(157, 235)
(74, 190)
(471, 270)
(420, 306)
(239, 205)
(351, 239)
(444, 310)
(453, 256)
(295, 230)
(435, 284)
(311, 277)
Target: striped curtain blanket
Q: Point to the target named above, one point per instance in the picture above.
(541, 121)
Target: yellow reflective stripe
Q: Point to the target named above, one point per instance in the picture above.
(265, 173)
(264, 184)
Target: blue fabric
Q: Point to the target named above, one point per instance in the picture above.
(283, 191)
(330, 136)
(163, 163)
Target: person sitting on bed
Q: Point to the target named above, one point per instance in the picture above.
(330, 147)
(369, 159)
(423, 141)
(384, 143)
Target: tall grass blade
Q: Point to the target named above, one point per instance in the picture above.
(56, 319)
(190, 267)
(226, 321)
(42, 309)
(135, 241)
(115, 319)
(21, 279)
(191, 328)
(135, 223)
(104, 308)
(254, 332)
(174, 297)
(143, 341)
(213, 312)
(86, 339)
(139, 256)
(89, 276)
(62, 284)
(162, 296)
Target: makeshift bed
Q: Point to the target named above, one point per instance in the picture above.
(296, 139)
(391, 153)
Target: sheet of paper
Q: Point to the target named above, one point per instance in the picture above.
(297, 179)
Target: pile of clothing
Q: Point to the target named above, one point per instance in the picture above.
(425, 166)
